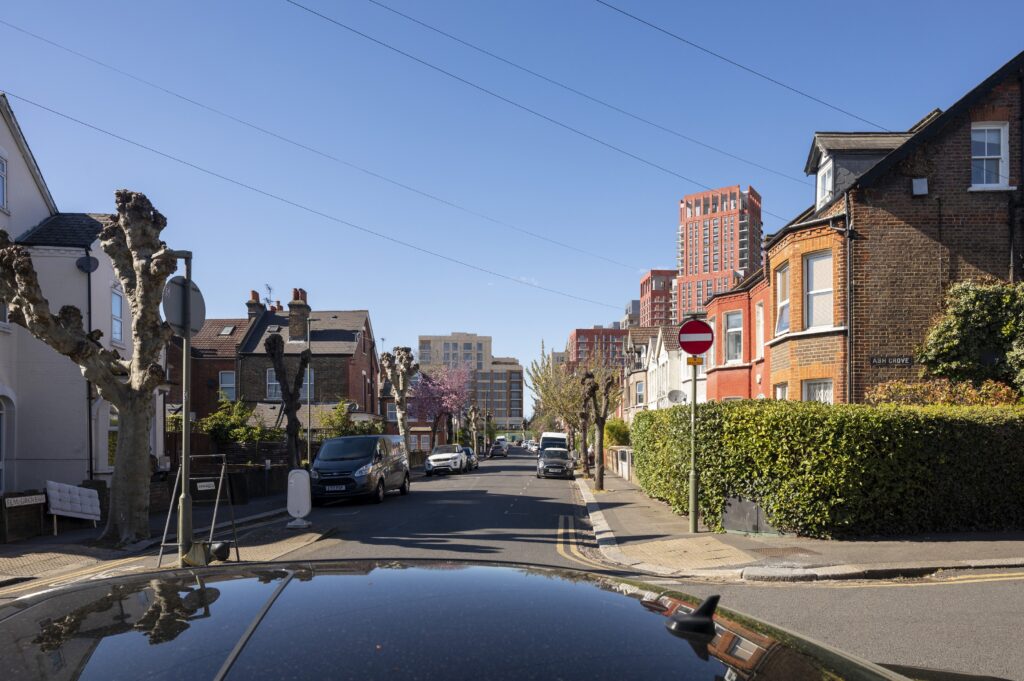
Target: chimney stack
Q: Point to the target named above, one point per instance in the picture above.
(253, 305)
(298, 313)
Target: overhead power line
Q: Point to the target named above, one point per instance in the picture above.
(738, 65)
(314, 150)
(589, 97)
(303, 207)
(511, 102)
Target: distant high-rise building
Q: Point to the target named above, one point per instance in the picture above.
(598, 345)
(497, 382)
(719, 243)
(656, 297)
(631, 317)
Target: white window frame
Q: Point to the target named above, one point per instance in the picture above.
(810, 294)
(807, 386)
(392, 412)
(233, 385)
(273, 387)
(116, 320)
(1003, 177)
(825, 185)
(759, 331)
(640, 396)
(3, 183)
(730, 332)
(711, 352)
(780, 391)
(783, 303)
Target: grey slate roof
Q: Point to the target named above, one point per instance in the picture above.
(852, 141)
(77, 230)
(334, 332)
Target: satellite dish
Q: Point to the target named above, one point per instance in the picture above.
(676, 396)
(87, 264)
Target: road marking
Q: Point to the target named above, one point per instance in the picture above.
(952, 581)
(568, 546)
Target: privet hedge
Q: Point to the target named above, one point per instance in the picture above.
(841, 470)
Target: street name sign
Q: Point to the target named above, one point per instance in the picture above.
(696, 337)
(695, 361)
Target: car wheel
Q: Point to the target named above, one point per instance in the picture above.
(406, 486)
(317, 501)
(429, 473)
(378, 496)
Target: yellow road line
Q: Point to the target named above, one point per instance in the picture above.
(568, 546)
(953, 581)
(92, 569)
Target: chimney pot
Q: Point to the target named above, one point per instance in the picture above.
(254, 296)
(254, 306)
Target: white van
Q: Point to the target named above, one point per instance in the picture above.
(500, 440)
(551, 439)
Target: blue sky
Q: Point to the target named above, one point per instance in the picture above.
(283, 69)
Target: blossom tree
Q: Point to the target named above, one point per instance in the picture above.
(440, 394)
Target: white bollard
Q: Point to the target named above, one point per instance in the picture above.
(299, 499)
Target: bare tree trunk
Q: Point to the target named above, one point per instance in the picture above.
(128, 516)
(583, 445)
(599, 421)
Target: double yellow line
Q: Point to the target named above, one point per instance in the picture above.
(949, 581)
(73, 576)
(568, 544)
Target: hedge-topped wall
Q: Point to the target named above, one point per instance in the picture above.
(841, 470)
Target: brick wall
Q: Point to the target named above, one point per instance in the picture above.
(908, 250)
(331, 377)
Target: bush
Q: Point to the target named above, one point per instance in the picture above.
(841, 470)
(232, 422)
(616, 433)
(339, 422)
(942, 391)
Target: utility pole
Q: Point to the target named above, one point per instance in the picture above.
(309, 395)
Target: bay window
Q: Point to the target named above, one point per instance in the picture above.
(818, 290)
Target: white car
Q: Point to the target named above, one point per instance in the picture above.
(446, 459)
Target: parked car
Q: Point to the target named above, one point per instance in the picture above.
(471, 458)
(446, 459)
(359, 466)
(498, 450)
(555, 462)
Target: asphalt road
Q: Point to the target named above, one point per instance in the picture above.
(498, 512)
(967, 623)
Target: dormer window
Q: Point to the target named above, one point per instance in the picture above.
(824, 182)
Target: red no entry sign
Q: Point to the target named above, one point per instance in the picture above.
(695, 337)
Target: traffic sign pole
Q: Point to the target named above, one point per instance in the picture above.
(185, 502)
(695, 338)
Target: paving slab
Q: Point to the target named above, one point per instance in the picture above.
(633, 530)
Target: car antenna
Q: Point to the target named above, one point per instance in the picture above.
(698, 624)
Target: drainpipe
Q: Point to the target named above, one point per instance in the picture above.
(88, 384)
(849, 298)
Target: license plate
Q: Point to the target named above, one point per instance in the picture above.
(335, 488)
(555, 470)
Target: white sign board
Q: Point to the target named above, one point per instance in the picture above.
(12, 502)
(206, 486)
(300, 502)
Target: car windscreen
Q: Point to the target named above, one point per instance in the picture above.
(555, 454)
(552, 442)
(446, 449)
(348, 448)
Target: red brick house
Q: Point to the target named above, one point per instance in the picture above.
(851, 285)
(214, 364)
(344, 364)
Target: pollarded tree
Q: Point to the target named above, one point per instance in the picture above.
(399, 368)
(291, 391)
(602, 389)
(142, 264)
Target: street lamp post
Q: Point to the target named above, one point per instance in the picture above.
(309, 394)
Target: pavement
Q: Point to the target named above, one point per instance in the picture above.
(643, 534)
(74, 549)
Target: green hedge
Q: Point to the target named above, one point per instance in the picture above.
(841, 470)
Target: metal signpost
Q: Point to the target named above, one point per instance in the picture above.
(185, 311)
(695, 338)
